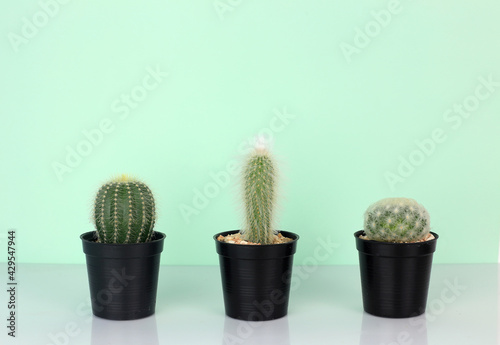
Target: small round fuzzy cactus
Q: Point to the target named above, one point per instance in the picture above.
(259, 194)
(124, 212)
(396, 220)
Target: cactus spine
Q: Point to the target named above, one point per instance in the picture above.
(396, 220)
(259, 194)
(124, 212)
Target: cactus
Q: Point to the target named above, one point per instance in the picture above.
(124, 212)
(396, 220)
(259, 194)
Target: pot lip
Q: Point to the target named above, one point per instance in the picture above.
(92, 233)
(295, 239)
(360, 232)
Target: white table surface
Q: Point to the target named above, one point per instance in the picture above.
(325, 308)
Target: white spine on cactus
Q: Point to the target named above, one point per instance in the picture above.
(259, 194)
(262, 145)
(115, 214)
(127, 238)
(396, 220)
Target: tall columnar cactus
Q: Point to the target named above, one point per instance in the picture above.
(259, 194)
(396, 220)
(124, 212)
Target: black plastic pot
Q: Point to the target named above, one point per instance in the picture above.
(123, 278)
(395, 276)
(256, 278)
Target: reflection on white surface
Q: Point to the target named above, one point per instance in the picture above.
(108, 332)
(324, 310)
(273, 332)
(385, 331)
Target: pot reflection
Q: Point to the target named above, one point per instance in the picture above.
(141, 331)
(273, 332)
(379, 330)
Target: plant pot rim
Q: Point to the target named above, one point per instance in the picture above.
(256, 252)
(91, 235)
(122, 250)
(294, 237)
(391, 249)
(361, 232)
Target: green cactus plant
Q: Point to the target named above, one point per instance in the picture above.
(259, 176)
(124, 211)
(396, 220)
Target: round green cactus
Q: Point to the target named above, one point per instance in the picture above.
(124, 212)
(396, 220)
(259, 194)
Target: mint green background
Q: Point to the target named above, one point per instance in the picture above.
(228, 74)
